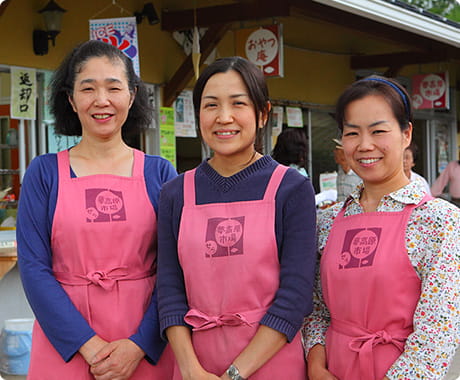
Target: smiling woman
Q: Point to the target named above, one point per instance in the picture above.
(87, 229)
(236, 242)
(389, 255)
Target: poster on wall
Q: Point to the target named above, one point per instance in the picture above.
(167, 135)
(430, 91)
(23, 93)
(277, 120)
(262, 46)
(184, 115)
(294, 117)
(119, 32)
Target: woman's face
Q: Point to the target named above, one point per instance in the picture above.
(227, 117)
(373, 142)
(101, 97)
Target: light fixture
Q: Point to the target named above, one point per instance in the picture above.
(52, 13)
(149, 12)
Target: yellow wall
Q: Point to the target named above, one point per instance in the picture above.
(316, 54)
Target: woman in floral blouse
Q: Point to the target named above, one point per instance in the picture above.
(387, 296)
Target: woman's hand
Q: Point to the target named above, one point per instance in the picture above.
(316, 360)
(320, 374)
(91, 348)
(117, 360)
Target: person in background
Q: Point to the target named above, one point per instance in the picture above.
(86, 229)
(347, 180)
(387, 297)
(409, 159)
(236, 242)
(291, 149)
(449, 176)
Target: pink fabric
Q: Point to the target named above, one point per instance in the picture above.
(371, 291)
(230, 261)
(104, 257)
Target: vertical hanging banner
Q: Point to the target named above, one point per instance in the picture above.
(119, 32)
(184, 115)
(23, 93)
(262, 46)
(167, 135)
(430, 91)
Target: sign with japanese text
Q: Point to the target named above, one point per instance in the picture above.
(119, 32)
(294, 117)
(430, 91)
(264, 47)
(23, 93)
(184, 115)
(167, 135)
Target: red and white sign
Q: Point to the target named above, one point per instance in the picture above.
(430, 91)
(264, 47)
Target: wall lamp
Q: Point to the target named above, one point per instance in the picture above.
(52, 14)
(149, 12)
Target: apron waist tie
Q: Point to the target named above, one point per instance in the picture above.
(106, 279)
(202, 321)
(363, 342)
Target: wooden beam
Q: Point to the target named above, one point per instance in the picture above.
(394, 60)
(223, 14)
(185, 72)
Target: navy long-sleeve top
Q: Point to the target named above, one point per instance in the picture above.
(62, 323)
(295, 223)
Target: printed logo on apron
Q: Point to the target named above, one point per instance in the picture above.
(224, 237)
(359, 248)
(104, 205)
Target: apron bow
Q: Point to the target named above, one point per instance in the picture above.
(201, 321)
(365, 344)
(106, 280)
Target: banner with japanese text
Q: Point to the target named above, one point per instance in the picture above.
(263, 46)
(119, 32)
(184, 115)
(430, 91)
(167, 135)
(23, 93)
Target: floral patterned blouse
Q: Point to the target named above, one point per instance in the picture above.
(432, 242)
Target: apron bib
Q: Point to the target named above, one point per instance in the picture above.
(229, 257)
(371, 315)
(104, 256)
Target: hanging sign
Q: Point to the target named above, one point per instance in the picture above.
(23, 93)
(430, 91)
(119, 32)
(167, 136)
(262, 46)
(184, 115)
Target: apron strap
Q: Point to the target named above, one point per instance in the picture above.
(63, 165)
(189, 188)
(138, 165)
(275, 180)
(363, 342)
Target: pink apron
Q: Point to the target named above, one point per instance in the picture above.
(371, 291)
(229, 257)
(104, 256)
